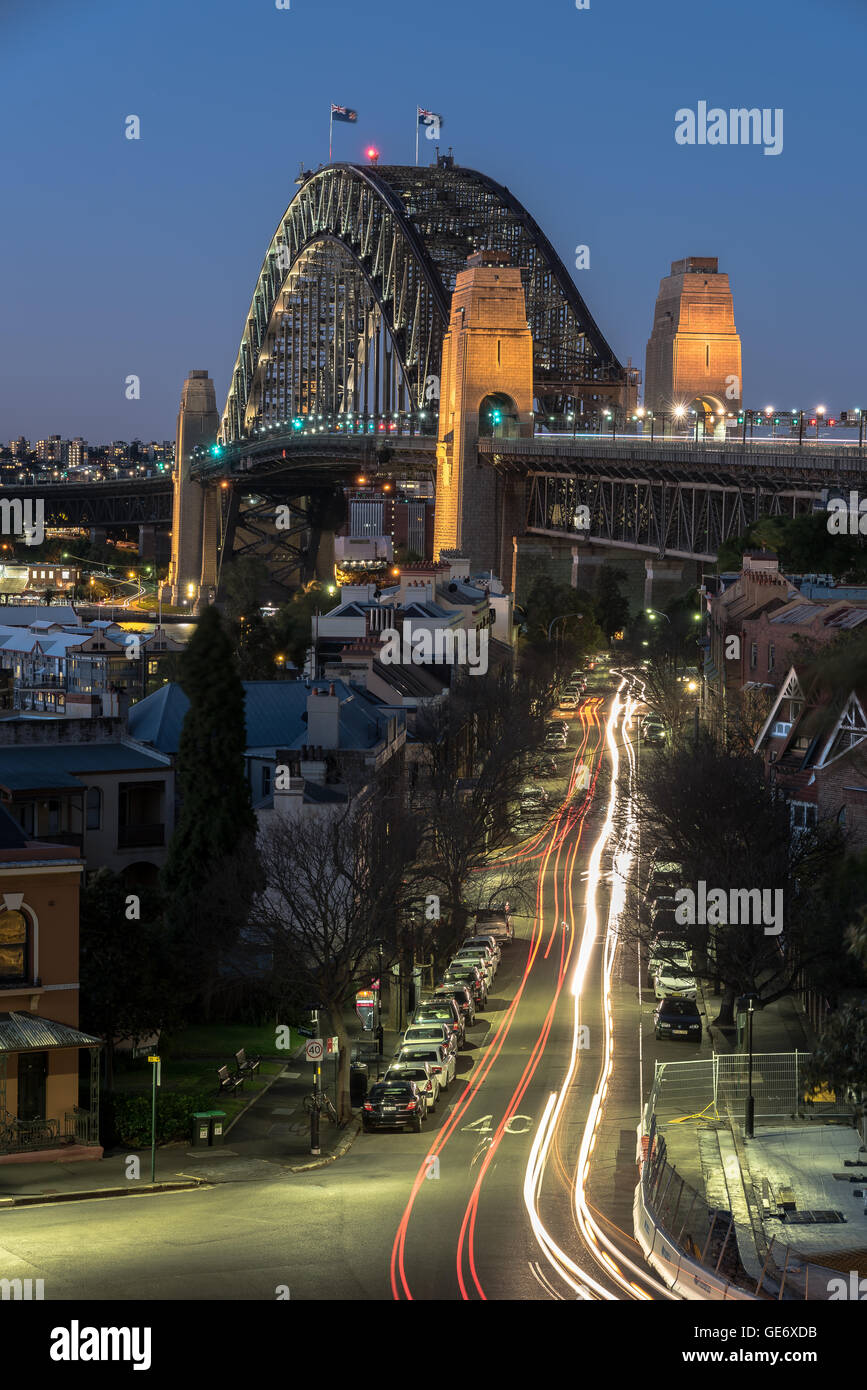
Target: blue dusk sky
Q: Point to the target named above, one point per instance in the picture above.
(140, 257)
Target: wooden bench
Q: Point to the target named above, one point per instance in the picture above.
(228, 1083)
(247, 1066)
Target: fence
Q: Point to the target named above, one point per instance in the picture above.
(705, 1235)
(718, 1086)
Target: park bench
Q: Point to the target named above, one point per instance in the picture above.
(228, 1083)
(247, 1066)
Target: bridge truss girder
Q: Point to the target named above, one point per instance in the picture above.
(687, 518)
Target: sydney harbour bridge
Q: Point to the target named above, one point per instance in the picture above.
(340, 372)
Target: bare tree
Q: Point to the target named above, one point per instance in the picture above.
(334, 881)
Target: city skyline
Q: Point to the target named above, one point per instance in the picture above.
(170, 218)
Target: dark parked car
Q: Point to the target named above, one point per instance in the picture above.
(443, 1009)
(469, 975)
(463, 997)
(677, 1018)
(394, 1105)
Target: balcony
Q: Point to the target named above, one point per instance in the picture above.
(141, 836)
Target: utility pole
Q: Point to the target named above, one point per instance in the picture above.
(317, 1088)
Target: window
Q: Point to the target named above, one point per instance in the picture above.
(153, 668)
(266, 781)
(14, 953)
(754, 655)
(771, 656)
(94, 808)
(803, 815)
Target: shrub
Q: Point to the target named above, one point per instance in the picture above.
(127, 1118)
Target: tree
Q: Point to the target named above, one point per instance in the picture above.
(333, 883)
(127, 975)
(211, 869)
(472, 767)
(839, 1058)
(244, 583)
(717, 816)
(612, 606)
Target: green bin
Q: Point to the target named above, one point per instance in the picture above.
(217, 1118)
(201, 1129)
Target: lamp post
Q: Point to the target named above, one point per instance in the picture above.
(820, 411)
(748, 1002)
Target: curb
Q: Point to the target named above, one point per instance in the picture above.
(43, 1199)
(352, 1132)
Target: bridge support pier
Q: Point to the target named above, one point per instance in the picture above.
(667, 579)
(194, 547)
(98, 535)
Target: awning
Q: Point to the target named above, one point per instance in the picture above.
(30, 1033)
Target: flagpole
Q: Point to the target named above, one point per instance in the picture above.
(330, 128)
(416, 136)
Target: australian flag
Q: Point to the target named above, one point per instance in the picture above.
(343, 113)
(431, 122)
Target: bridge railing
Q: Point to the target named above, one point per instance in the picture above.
(849, 459)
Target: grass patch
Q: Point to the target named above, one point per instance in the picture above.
(223, 1040)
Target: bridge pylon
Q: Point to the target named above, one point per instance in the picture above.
(195, 521)
(486, 388)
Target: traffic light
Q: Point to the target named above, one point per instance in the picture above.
(740, 419)
(298, 423)
(776, 419)
(496, 417)
(831, 422)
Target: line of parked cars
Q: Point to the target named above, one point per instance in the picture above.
(425, 1064)
(669, 966)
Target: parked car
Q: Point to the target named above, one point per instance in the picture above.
(545, 767)
(555, 741)
(431, 1030)
(441, 1060)
(426, 1080)
(496, 921)
(569, 701)
(533, 797)
(674, 981)
(469, 975)
(667, 948)
(463, 996)
(474, 955)
(653, 735)
(394, 1105)
(677, 1018)
(443, 1009)
(557, 726)
(492, 944)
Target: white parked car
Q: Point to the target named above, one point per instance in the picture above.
(568, 701)
(430, 1031)
(489, 941)
(441, 1060)
(425, 1078)
(674, 982)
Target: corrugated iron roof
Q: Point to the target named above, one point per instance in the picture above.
(28, 1033)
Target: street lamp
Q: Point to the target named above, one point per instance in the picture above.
(747, 1002)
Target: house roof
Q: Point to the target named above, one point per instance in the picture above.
(49, 767)
(23, 614)
(275, 716)
(23, 1032)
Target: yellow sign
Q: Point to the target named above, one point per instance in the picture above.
(153, 1059)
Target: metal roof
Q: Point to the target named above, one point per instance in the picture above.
(29, 1033)
(62, 765)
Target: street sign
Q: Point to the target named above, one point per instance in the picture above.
(314, 1049)
(304, 1031)
(332, 1046)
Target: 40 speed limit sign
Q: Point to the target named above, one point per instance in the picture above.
(314, 1049)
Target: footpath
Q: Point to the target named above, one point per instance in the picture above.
(269, 1138)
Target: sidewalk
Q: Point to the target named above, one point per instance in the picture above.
(271, 1136)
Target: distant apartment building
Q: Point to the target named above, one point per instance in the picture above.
(20, 447)
(53, 450)
(77, 453)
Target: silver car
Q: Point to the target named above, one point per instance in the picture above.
(441, 1060)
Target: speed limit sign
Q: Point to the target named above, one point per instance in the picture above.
(314, 1049)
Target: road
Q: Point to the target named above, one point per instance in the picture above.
(489, 1201)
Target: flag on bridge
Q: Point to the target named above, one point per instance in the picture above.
(431, 123)
(340, 113)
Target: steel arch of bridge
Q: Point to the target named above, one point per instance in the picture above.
(355, 289)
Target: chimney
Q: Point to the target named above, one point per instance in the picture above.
(288, 791)
(323, 718)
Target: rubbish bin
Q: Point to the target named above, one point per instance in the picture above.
(216, 1135)
(357, 1083)
(201, 1129)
